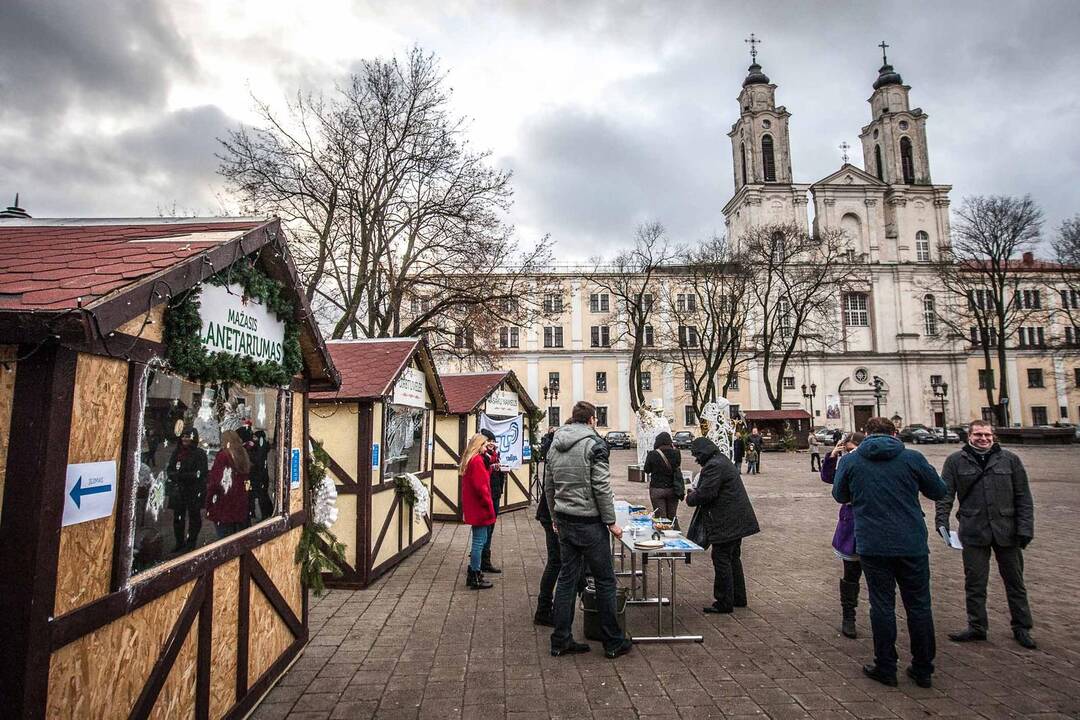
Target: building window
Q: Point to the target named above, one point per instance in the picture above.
(463, 338)
(1031, 337)
(688, 383)
(599, 302)
(1072, 335)
(855, 312)
(553, 416)
(988, 414)
(922, 247)
(1035, 378)
(553, 336)
(600, 336)
(880, 166)
(689, 417)
(1038, 415)
(978, 337)
(648, 337)
(778, 246)
(980, 299)
(508, 337)
(646, 380)
(686, 302)
(929, 310)
(553, 381)
(742, 151)
(508, 305)
(1064, 410)
(646, 301)
(601, 416)
(733, 382)
(735, 410)
(935, 380)
(1070, 299)
(552, 303)
(907, 161)
(767, 158)
(986, 379)
(601, 382)
(1028, 299)
(789, 382)
(783, 317)
(1076, 377)
(688, 337)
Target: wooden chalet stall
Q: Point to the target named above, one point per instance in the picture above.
(468, 397)
(773, 423)
(376, 428)
(103, 612)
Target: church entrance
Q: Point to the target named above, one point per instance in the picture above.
(862, 413)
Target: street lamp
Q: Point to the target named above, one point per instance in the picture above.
(551, 394)
(810, 396)
(941, 391)
(879, 392)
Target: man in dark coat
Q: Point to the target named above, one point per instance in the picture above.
(498, 478)
(758, 442)
(724, 509)
(882, 480)
(187, 471)
(996, 513)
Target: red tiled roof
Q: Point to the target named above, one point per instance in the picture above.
(464, 392)
(368, 367)
(49, 264)
(776, 415)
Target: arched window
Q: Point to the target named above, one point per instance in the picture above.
(929, 309)
(877, 161)
(742, 149)
(907, 162)
(767, 158)
(779, 248)
(922, 247)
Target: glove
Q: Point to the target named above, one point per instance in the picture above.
(1023, 541)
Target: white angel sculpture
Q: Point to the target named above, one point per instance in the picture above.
(721, 426)
(650, 423)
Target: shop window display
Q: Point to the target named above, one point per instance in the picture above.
(404, 440)
(207, 468)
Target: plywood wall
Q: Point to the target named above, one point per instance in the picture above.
(97, 434)
(137, 327)
(276, 557)
(177, 698)
(224, 638)
(8, 353)
(101, 674)
(298, 441)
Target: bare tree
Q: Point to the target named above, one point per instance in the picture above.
(707, 302)
(628, 279)
(1067, 254)
(388, 203)
(798, 280)
(982, 273)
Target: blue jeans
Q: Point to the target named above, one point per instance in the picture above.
(585, 543)
(912, 575)
(479, 537)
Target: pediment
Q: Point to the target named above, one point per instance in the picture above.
(849, 175)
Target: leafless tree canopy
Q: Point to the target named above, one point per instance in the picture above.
(1067, 254)
(387, 204)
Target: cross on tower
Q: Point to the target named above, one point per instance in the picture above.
(884, 60)
(753, 43)
(844, 147)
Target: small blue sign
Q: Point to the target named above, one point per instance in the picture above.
(526, 452)
(295, 468)
(375, 455)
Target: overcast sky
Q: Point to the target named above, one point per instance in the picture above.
(608, 114)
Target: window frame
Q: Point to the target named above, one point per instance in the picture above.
(601, 381)
(922, 246)
(602, 416)
(689, 416)
(1036, 378)
(646, 380)
(930, 325)
(856, 316)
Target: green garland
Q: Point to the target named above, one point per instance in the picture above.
(183, 329)
(316, 539)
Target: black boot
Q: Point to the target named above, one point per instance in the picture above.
(476, 581)
(849, 600)
(485, 563)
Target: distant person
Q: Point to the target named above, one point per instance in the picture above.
(815, 452)
(738, 451)
(497, 478)
(996, 514)
(226, 486)
(753, 456)
(545, 595)
(477, 509)
(837, 436)
(577, 487)
(725, 516)
(666, 484)
(882, 481)
(843, 541)
(758, 443)
(187, 473)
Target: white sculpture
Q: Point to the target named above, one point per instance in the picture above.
(650, 423)
(721, 426)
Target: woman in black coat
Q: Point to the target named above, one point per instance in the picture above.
(666, 484)
(724, 516)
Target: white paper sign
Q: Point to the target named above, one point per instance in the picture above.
(502, 403)
(89, 491)
(509, 435)
(409, 389)
(232, 325)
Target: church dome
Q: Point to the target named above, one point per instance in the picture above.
(755, 76)
(887, 76)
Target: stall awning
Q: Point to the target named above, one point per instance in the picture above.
(370, 367)
(465, 391)
(776, 415)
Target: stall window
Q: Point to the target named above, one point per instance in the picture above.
(207, 466)
(404, 440)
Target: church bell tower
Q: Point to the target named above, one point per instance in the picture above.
(894, 143)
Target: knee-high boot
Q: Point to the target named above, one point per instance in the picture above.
(849, 600)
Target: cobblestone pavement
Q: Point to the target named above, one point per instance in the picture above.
(418, 644)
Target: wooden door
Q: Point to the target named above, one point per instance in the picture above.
(862, 413)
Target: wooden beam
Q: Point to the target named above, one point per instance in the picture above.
(273, 595)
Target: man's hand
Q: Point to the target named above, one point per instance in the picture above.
(615, 530)
(555, 527)
(1023, 541)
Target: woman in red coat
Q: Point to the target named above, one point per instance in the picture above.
(476, 506)
(226, 486)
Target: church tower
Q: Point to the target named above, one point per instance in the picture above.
(761, 158)
(894, 143)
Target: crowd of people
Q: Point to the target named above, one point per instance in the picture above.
(880, 534)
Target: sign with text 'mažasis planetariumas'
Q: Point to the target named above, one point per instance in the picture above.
(232, 323)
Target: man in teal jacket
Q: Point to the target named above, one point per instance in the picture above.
(882, 481)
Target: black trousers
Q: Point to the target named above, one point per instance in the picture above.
(188, 506)
(1010, 562)
(664, 500)
(815, 462)
(585, 545)
(496, 496)
(912, 575)
(729, 585)
(546, 594)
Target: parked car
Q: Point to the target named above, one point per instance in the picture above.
(619, 439)
(949, 435)
(824, 435)
(908, 431)
(682, 439)
(961, 432)
(922, 436)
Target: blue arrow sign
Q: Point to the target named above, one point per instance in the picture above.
(78, 492)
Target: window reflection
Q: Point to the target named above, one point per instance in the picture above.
(404, 440)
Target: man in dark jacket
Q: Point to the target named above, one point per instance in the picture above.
(727, 515)
(996, 513)
(187, 473)
(758, 442)
(882, 481)
(498, 478)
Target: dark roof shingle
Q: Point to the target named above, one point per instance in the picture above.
(368, 367)
(464, 392)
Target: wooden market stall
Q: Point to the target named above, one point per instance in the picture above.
(469, 397)
(134, 353)
(376, 429)
(773, 424)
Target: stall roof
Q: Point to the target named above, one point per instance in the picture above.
(776, 415)
(79, 279)
(369, 368)
(465, 391)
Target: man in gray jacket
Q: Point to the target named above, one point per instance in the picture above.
(996, 513)
(577, 490)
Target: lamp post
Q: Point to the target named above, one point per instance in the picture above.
(879, 393)
(810, 396)
(941, 392)
(551, 394)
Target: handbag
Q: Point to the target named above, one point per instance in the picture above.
(697, 533)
